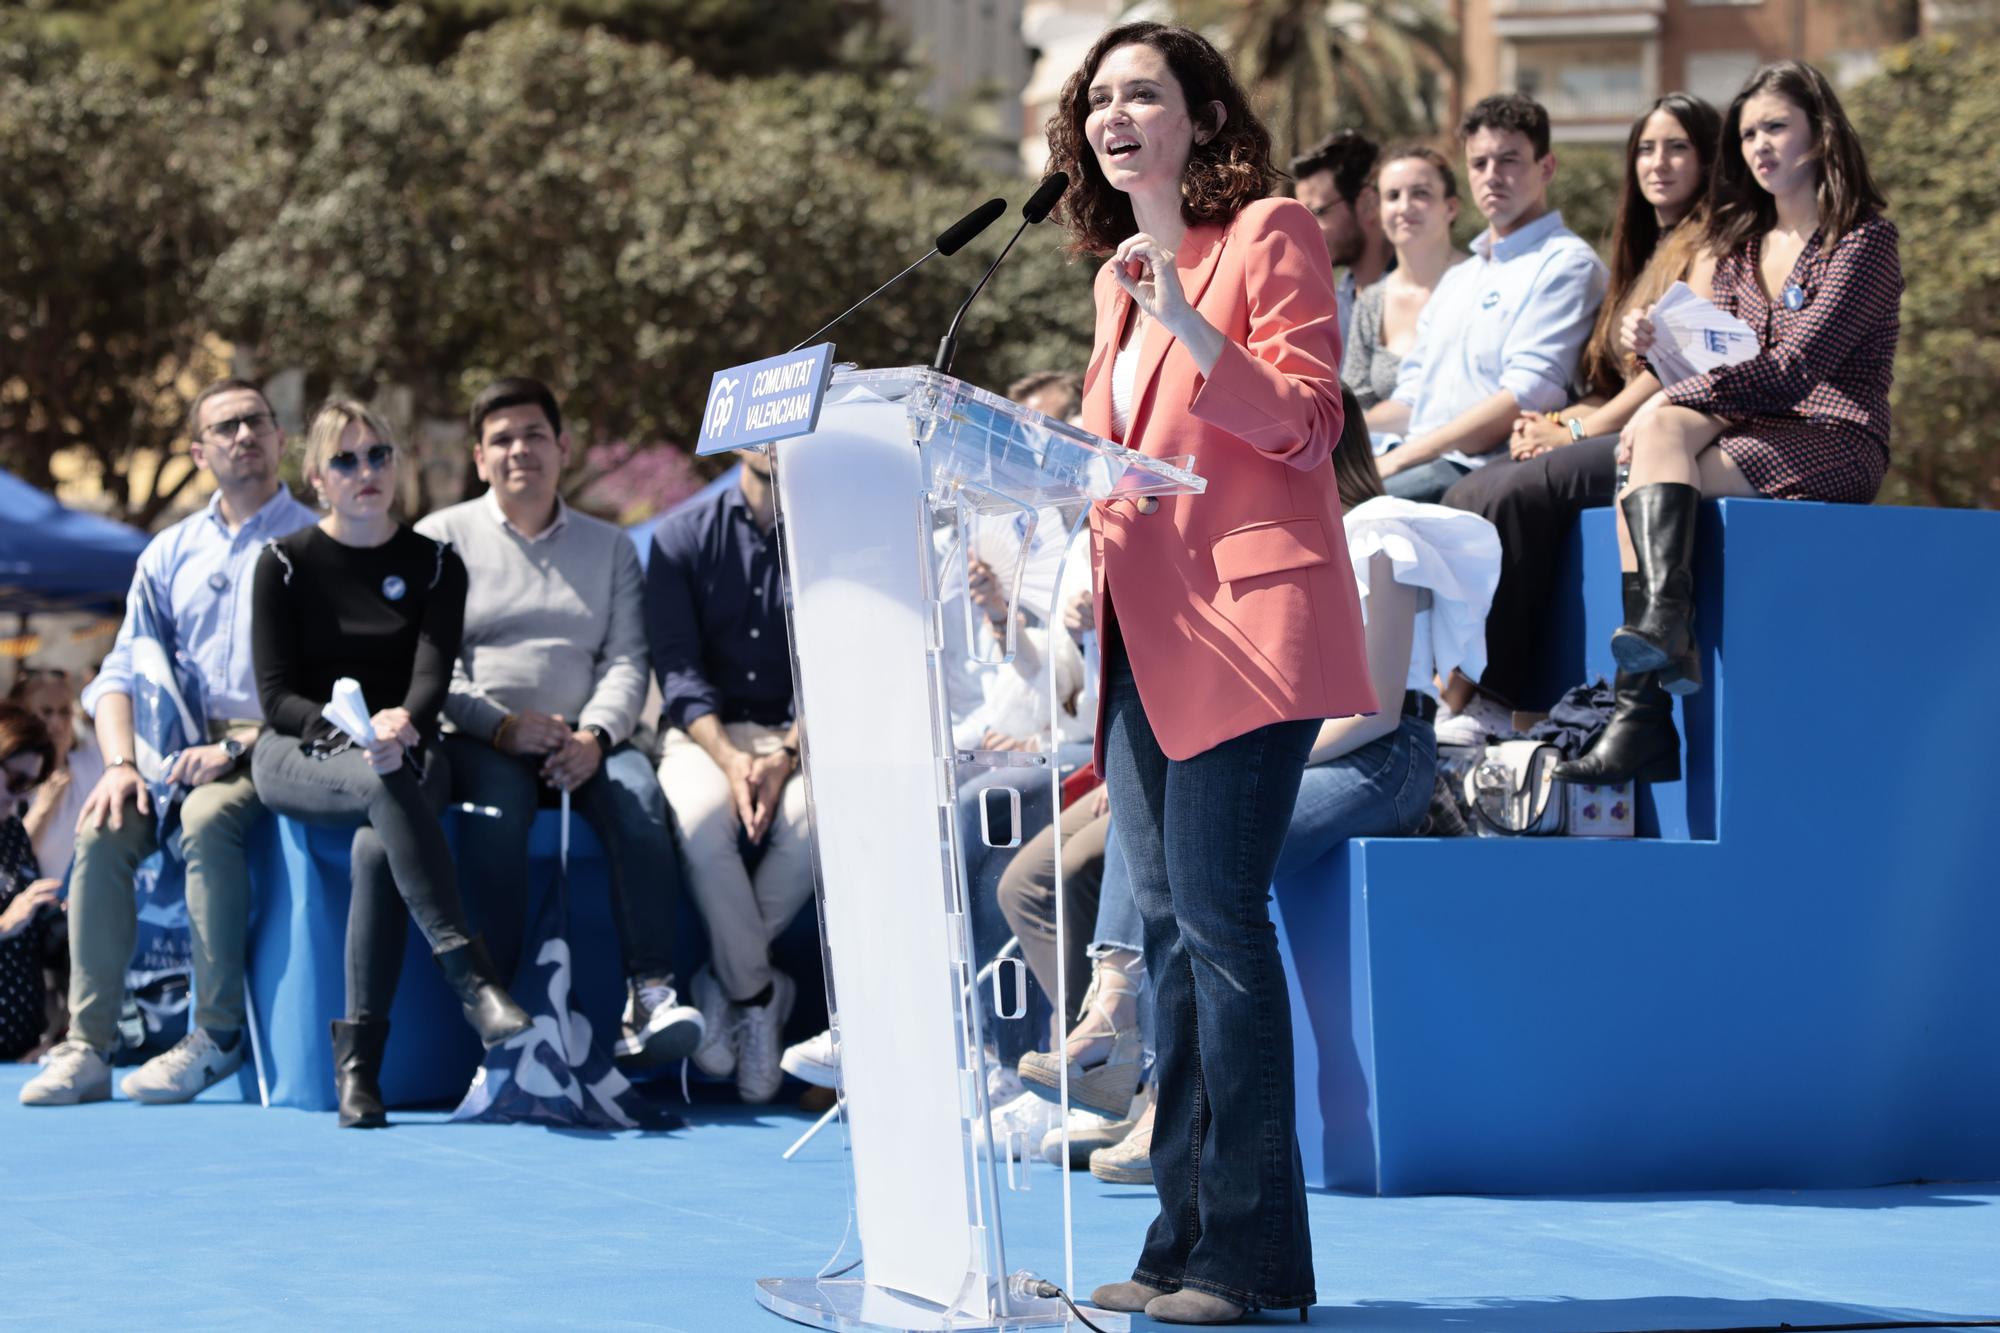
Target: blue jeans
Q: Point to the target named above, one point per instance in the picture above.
(1201, 837)
(623, 803)
(1382, 789)
(1425, 483)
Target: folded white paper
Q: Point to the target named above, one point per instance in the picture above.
(1691, 337)
(349, 711)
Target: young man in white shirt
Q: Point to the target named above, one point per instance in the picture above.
(1503, 331)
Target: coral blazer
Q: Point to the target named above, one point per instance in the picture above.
(1237, 606)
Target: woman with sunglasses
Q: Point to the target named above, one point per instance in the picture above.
(359, 595)
(27, 899)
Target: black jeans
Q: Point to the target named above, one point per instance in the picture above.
(1533, 504)
(1201, 837)
(400, 856)
(622, 801)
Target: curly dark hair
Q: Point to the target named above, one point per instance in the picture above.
(1509, 111)
(1232, 169)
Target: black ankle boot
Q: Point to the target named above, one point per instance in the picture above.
(357, 1073)
(1661, 521)
(1640, 741)
(488, 1007)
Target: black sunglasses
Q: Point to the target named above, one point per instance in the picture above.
(347, 462)
(260, 423)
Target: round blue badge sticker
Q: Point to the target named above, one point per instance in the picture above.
(393, 588)
(218, 581)
(1795, 296)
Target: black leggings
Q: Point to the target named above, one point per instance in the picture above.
(1533, 504)
(400, 856)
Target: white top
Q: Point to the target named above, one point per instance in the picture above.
(1124, 371)
(1453, 555)
(57, 842)
(1515, 316)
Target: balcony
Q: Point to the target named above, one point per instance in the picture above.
(1543, 19)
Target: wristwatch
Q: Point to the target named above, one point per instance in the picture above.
(793, 752)
(233, 748)
(122, 761)
(1575, 428)
(601, 736)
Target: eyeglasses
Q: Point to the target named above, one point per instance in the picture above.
(347, 462)
(260, 424)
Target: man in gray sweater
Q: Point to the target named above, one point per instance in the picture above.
(545, 696)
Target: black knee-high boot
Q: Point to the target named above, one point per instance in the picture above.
(357, 1073)
(1660, 638)
(1641, 740)
(488, 1007)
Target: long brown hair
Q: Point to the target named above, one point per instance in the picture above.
(1354, 472)
(21, 732)
(1231, 169)
(1739, 208)
(1636, 231)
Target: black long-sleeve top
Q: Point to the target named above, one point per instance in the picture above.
(390, 616)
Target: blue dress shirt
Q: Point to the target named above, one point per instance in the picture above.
(715, 615)
(1515, 316)
(200, 574)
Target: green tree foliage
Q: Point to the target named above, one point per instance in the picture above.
(161, 38)
(105, 236)
(1316, 66)
(1927, 122)
(546, 200)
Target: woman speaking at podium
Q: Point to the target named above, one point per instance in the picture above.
(1230, 623)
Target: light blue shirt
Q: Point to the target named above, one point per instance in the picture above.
(200, 575)
(1515, 316)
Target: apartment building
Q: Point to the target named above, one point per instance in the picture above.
(1596, 63)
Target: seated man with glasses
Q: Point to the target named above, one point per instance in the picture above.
(198, 575)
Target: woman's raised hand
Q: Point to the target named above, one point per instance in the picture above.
(1145, 269)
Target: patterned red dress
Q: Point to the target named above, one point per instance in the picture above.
(1809, 414)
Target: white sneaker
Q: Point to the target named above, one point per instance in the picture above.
(185, 1070)
(1481, 720)
(816, 1060)
(755, 1031)
(1027, 1116)
(716, 1055)
(72, 1073)
(657, 1028)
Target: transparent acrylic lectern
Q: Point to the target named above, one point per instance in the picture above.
(912, 478)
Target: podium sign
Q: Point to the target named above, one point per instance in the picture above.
(908, 474)
(766, 400)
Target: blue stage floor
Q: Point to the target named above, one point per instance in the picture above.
(221, 1216)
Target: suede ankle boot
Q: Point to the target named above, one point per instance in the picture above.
(1660, 638)
(357, 1073)
(488, 1007)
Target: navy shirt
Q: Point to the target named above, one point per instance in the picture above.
(715, 616)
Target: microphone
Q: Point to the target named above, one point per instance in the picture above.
(1039, 205)
(949, 242)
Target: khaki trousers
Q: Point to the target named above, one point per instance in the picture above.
(743, 911)
(216, 819)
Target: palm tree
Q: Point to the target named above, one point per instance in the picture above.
(1316, 66)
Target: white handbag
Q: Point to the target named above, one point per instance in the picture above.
(1513, 791)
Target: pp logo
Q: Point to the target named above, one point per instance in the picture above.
(393, 588)
(722, 406)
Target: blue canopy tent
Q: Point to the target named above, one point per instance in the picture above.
(53, 558)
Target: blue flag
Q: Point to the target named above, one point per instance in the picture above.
(169, 714)
(556, 1072)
